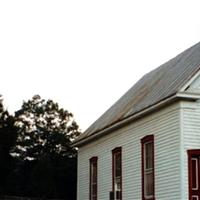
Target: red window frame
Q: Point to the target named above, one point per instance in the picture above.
(149, 139)
(93, 163)
(192, 153)
(117, 152)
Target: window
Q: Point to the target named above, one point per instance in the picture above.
(194, 174)
(117, 173)
(93, 178)
(148, 191)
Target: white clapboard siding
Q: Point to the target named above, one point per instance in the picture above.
(190, 122)
(165, 126)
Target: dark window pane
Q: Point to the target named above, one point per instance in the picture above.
(94, 189)
(94, 197)
(94, 173)
(194, 173)
(117, 165)
(118, 183)
(118, 195)
(149, 155)
(93, 180)
(117, 176)
(149, 183)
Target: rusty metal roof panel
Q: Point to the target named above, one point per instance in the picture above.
(152, 88)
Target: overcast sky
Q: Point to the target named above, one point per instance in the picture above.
(86, 54)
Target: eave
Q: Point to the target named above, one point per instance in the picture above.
(187, 96)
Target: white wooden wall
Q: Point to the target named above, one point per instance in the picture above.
(190, 123)
(190, 132)
(165, 125)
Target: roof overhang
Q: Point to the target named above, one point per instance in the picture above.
(187, 96)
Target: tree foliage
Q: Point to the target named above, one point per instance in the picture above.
(43, 163)
(8, 137)
(44, 129)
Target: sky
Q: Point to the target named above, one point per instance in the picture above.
(86, 54)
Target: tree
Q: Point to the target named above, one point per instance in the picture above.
(45, 134)
(8, 137)
(44, 129)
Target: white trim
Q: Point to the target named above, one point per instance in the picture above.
(195, 196)
(188, 95)
(197, 174)
(190, 81)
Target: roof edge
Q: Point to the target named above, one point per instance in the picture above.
(123, 122)
(177, 96)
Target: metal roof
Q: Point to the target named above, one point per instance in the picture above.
(152, 88)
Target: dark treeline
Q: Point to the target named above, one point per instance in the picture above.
(36, 157)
